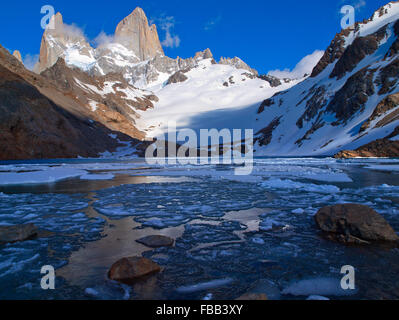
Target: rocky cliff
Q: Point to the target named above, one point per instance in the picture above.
(34, 126)
(350, 99)
(135, 34)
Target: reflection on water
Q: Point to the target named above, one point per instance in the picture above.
(238, 229)
(83, 186)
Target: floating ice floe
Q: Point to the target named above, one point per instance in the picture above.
(50, 175)
(294, 185)
(317, 287)
(205, 286)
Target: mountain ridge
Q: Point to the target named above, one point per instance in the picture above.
(348, 102)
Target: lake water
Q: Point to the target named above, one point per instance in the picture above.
(234, 234)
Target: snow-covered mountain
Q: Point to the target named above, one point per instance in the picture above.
(132, 66)
(134, 52)
(349, 100)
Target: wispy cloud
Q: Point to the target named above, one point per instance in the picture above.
(359, 4)
(209, 25)
(305, 66)
(167, 24)
(30, 61)
(103, 39)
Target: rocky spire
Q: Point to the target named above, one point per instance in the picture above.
(55, 42)
(238, 63)
(17, 55)
(206, 54)
(135, 33)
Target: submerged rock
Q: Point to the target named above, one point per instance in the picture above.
(156, 241)
(253, 297)
(133, 269)
(354, 224)
(10, 234)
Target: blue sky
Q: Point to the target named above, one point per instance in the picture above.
(266, 34)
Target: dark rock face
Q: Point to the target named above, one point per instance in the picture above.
(387, 104)
(356, 52)
(38, 120)
(133, 269)
(114, 109)
(352, 97)
(382, 148)
(385, 148)
(33, 127)
(265, 135)
(266, 103)
(177, 78)
(313, 105)
(10, 234)
(156, 241)
(333, 52)
(273, 81)
(395, 45)
(354, 223)
(388, 77)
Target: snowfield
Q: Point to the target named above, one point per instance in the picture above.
(204, 102)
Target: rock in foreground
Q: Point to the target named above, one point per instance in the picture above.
(156, 241)
(354, 224)
(133, 269)
(253, 297)
(10, 234)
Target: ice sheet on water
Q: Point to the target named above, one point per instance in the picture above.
(205, 285)
(38, 177)
(60, 214)
(269, 224)
(295, 185)
(317, 286)
(380, 167)
(169, 204)
(205, 233)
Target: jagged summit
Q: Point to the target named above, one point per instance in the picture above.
(17, 55)
(63, 41)
(238, 63)
(382, 17)
(135, 34)
(349, 102)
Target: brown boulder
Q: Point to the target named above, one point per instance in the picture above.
(133, 269)
(10, 234)
(354, 224)
(156, 241)
(253, 297)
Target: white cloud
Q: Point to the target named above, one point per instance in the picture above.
(73, 31)
(212, 23)
(30, 61)
(167, 24)
(359, 4)
(356, 4)
(305, 66)
(103, 39)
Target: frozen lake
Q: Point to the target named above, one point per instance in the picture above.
(233, 234)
